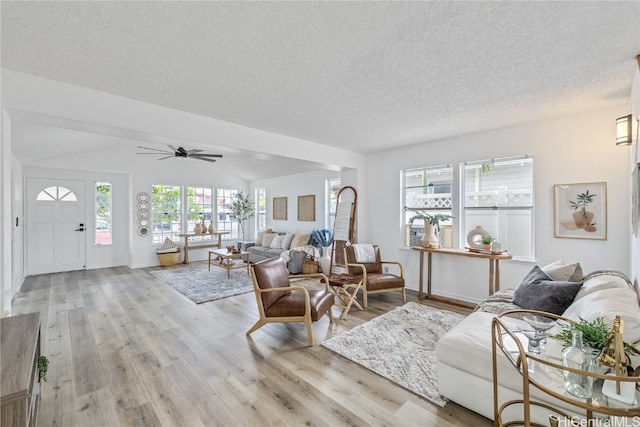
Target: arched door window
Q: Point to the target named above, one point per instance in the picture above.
(52, 194)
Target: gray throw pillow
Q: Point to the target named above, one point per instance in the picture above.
(538, 291)
(295, 265)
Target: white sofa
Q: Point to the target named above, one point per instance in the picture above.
(465, 373)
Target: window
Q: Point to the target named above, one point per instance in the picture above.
(223, 206)
(199, 206)
(166, 205)
(60, 194)
(103, 213)
(333, 187)
(498, 196)
(428, 190)
(261, 209)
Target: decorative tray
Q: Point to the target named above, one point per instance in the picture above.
(485, 251)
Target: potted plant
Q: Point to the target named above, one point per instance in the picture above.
(583, 218)
(242, 209)
(431, 226)
(487, 241)
(595, 334)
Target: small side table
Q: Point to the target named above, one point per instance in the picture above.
(346, 287)
(227, 258)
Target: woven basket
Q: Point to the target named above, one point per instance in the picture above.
(167, 260)
(310, 267)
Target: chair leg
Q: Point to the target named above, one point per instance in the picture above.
(404, 296)
(330, 313)
(260, 323)
(309, 324)
(365, 301)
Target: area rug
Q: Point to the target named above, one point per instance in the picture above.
(200, 285)
(401, 346)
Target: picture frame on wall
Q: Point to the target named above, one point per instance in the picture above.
(280, 208)
(307, 208)
(580, 211)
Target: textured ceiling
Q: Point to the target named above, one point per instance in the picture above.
(363, 76)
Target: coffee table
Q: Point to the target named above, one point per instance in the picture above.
(226, 260)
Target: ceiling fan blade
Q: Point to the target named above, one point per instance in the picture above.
(166, 157)
(207, 155)
(193, 151)
(205, 159)
(149, 148)
(174, 149)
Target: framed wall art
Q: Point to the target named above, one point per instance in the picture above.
(307, 208)
(580, 210)
(280, 208)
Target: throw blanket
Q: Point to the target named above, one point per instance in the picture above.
(364, 253)
(308, 249)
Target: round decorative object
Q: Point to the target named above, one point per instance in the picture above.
(475, 236)
(143, 214)
(143, 231)
(143, 197)
(143, 206)
(143, 223)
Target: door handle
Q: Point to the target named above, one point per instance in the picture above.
(80, 229)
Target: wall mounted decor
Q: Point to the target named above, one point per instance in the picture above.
(580, 210)
(144, 203)
(280, 208)
(307, 208)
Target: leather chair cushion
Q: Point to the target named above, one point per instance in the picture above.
(272, 273)
(293, 304)
(383, 281)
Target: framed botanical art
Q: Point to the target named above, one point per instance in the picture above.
(307, 208)
(280, 208)
(580, 210)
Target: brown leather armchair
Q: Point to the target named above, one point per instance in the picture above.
(375, 279)
(280, 302)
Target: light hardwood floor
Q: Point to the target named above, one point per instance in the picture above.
(126, 350)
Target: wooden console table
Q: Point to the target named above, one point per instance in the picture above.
(186, 237)
(494, 266)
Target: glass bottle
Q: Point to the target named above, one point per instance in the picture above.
(576, 357)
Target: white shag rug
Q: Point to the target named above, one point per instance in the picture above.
(401, 346)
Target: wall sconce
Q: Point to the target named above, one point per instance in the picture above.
(624, 130)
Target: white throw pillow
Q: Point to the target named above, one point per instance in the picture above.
(607, 303)
(276, 243)
(561, 272)
(268, 238)
(286, 242)
(599, 283)
(260, 237)
(300, 239)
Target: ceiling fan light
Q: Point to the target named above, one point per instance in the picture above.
(624, 130)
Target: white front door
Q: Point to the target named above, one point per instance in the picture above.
(55, 225)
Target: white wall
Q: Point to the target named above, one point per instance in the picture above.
(17, 231)
(5, 215)
(571, 149)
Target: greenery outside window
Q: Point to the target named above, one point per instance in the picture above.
(223, 208)
(166, 209)
(199, 206)
(103, 234)
(428, 190)
(261, 209)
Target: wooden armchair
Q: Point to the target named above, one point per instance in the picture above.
(280, 302)
(375, 278)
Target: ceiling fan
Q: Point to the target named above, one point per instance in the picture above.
(181, 153)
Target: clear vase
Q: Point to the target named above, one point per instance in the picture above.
(576, 357)
(325, 260)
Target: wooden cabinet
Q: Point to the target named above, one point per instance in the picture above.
(19, 377)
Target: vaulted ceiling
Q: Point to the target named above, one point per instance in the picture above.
(362, 76)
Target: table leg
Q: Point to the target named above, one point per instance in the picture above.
(209, 261)
(491, 276)
(219, 241)
(429, 275)
(186, 251)
(248, 265)
(496, 281)
(421, 280)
